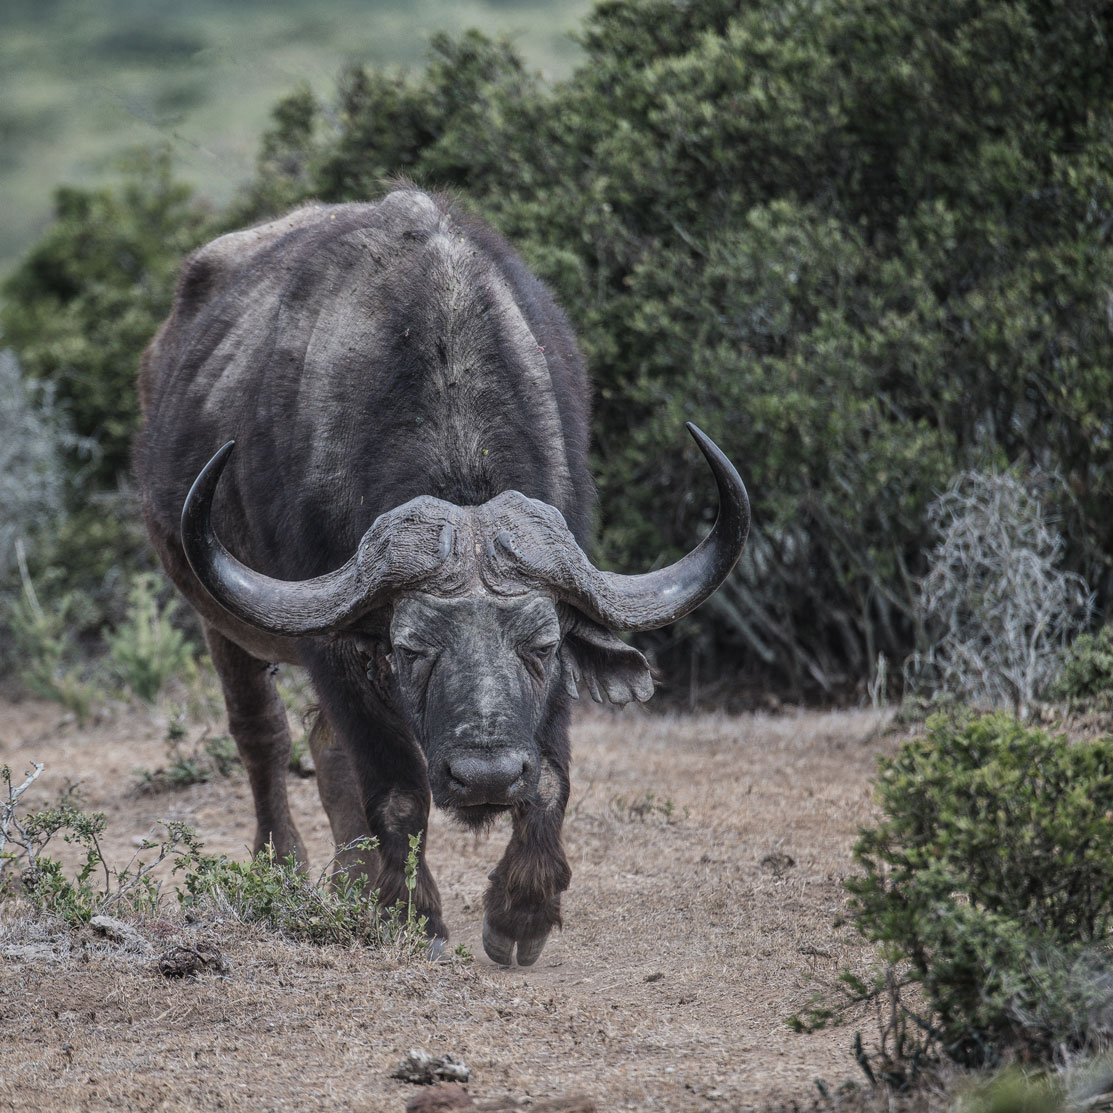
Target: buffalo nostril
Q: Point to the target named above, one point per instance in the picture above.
(489, 777)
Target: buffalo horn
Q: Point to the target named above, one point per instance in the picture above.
(657, 598)
(292, 609)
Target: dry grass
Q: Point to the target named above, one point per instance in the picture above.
(708, 854)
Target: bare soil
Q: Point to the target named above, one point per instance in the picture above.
(708, 855)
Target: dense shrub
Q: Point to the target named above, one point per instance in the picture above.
(1086, 675)
(865, 245)
(989, 884)
(89, 295)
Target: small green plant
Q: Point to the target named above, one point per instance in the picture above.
(989, 885)
(1076, 1088)
(279, 895)
(46, 651)
(648, 806)
(411, 922)
(265, 890)
(147, 649)
(93, 887)
(1086, 676)
(205, 760)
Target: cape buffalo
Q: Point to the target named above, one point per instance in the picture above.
(410, 501)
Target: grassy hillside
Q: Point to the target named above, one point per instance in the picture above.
(82, 81)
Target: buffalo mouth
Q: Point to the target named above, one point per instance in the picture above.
(477, 785)
(476, 817)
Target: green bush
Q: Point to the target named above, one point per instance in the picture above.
(1087, 672)
(94, 886)
(861, 244)
(989, 885)
(87, 298)
(147, 649)
(864, 245)
(280, 896)
(48, 664)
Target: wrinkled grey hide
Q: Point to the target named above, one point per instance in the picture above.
(405, 517)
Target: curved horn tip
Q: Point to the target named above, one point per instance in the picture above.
(204, 486)
(716, 457)
(211, 472)
(707, 446)
(220, 457)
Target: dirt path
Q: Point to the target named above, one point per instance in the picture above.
(707, 854)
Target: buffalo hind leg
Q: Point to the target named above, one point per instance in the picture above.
(522, 904)
(340, 796)
(257, 720)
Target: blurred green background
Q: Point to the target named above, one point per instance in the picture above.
(84, 81)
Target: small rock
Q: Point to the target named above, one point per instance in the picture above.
(187, 962)
(445, 1098)
(424, 1069)
(778, 863)
(654, 977)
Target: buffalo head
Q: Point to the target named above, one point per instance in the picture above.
(487, 613)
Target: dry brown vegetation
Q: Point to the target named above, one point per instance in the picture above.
(708, 855)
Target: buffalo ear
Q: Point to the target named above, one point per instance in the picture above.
(592, 654)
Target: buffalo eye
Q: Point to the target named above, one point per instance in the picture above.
(537, 658)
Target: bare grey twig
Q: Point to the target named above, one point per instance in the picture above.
(997, 607)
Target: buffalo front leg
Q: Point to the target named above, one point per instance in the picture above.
(257, 720)
(522, 904)
(397, 811)
(385, 779)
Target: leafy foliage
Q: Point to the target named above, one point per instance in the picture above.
(48, 663)
(865, 245)
(94, 887)
(88, 297)
(988, 884)
(1087, 670)
(280, 896)
(276, 894)
(146, 649)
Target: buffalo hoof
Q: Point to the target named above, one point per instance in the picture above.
(500, 948)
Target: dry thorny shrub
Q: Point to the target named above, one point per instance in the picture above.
(995, 603)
